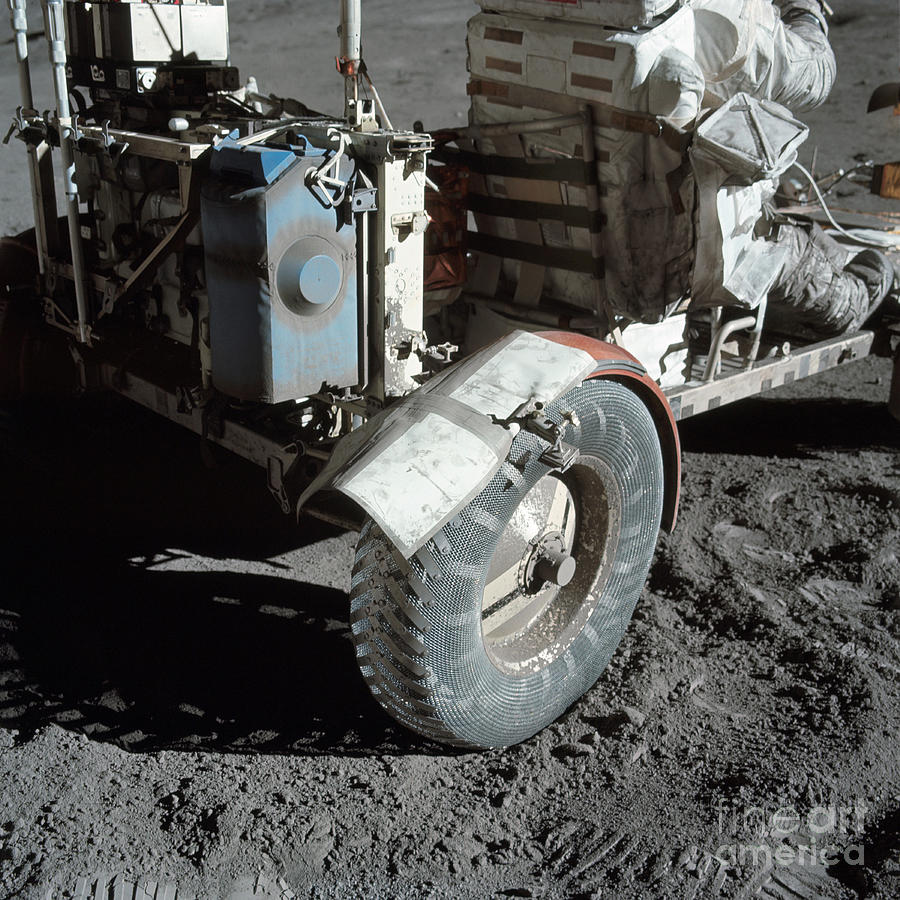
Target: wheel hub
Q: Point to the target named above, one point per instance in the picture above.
(550, 562)
(549, 566)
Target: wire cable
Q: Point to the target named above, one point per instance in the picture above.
(879, 245)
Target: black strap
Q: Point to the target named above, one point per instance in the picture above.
(570, 170)
(576, 216)
(552, 257)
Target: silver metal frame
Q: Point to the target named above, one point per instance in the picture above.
(55, 25)
(738, 383)
(40, 165)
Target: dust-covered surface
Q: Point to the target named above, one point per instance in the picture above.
(178, 694)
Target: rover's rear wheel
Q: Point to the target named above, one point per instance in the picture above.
(511, 612)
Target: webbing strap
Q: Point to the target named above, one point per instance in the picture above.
(565, 169)
(576, 216)
(552, 257)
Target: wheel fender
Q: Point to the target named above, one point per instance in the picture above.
(616, 362)
(415, 465)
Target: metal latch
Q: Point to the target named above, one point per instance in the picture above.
(560, 456)
(438, 356)
(28, 127)
(406, 223)
(530, 417)
(102, 142)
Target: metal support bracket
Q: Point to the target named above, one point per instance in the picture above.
(98, 142)
(80, 365)
(277, 475)
(189, 398)
(530, 417)
(560, 456)
(323, 182)
(437, 356)
(364, 200)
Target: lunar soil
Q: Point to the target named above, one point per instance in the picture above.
(180, 707)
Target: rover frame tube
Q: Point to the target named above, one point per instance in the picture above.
(54, 13)
(40, 169)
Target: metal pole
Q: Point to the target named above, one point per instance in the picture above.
(351, 30)
(40, 166)
(714, 362)
(55, 27)
(19, 21)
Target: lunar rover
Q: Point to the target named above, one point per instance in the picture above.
(296, 288)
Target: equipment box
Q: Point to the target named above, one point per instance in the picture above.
(148, 33)
(617, 13)
(524, 70)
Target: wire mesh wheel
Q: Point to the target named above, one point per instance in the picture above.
(514, 609)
